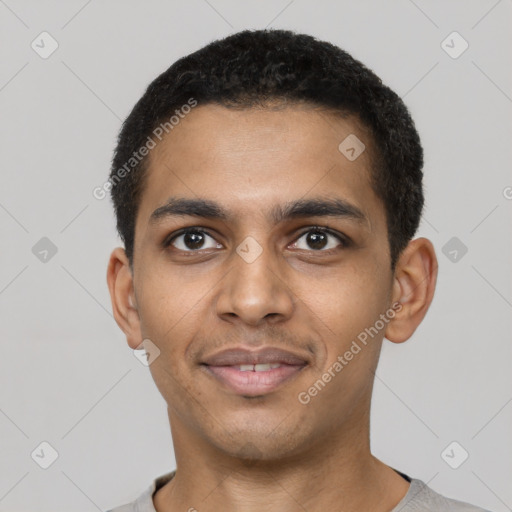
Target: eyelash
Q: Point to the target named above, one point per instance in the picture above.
(343, 239)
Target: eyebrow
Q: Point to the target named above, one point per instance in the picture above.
(301, 208)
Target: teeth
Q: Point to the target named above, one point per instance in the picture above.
(265, 367)
(258, 367)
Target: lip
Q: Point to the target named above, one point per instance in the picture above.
(224, 366)
(267, 355)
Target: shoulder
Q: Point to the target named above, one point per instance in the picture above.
(421, 498)
(144, 503)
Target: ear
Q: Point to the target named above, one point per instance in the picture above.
(413, 287)
(122, 295)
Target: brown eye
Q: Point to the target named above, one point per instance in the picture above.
(320, 239)
(192, 240)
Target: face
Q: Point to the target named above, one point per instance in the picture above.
(284, 285)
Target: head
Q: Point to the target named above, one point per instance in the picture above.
(253, 68)
(301, 174)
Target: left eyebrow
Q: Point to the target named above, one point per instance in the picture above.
(302, 208)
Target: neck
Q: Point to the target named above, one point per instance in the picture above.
(336, 473)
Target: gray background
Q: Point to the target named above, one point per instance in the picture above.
(68, 376)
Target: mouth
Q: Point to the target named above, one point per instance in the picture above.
(250, 373)
(254, 380)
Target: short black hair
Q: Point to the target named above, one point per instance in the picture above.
(255, 67)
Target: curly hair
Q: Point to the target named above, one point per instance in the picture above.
(254, 67)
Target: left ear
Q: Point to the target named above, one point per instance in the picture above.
(413, 287)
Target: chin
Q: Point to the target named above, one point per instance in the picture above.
(268, 444)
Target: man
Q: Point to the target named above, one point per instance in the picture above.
(267, 190)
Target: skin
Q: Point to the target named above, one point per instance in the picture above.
(272, 452)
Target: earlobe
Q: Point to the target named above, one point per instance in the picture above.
(120, 285)
(414, 285)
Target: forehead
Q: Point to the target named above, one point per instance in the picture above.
(254, 160)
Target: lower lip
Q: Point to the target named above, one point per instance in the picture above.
(252, 383)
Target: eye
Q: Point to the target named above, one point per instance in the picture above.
(318, 240)
(191, 240)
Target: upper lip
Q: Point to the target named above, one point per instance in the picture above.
(239, 356)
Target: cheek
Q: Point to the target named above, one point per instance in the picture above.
(347, 301)
(169, 309)
(342, 308)
(171, 317)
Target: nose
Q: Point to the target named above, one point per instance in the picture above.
(255, 290)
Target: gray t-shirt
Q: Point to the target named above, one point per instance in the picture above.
(419, 498)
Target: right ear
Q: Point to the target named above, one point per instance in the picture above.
(122, 295)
